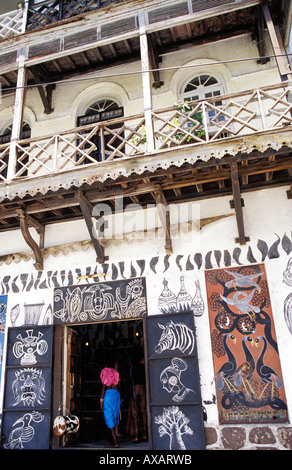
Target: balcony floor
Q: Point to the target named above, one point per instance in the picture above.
(187, 174)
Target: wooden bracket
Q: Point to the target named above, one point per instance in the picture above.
(46, 93)
(232, 204)
(86, 208)
(237, 201)
(163, 212)
(25, 221)
(289, 192)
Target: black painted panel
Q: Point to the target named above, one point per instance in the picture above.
(103, 301)
(174, 385)
(26, 415)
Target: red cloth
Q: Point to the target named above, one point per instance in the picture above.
(109, 376)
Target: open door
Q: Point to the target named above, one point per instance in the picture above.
(88, 348)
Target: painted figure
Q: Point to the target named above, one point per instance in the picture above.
(171, 381)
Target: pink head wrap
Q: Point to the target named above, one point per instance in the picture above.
(109, 376)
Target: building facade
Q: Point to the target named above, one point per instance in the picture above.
(145, 186)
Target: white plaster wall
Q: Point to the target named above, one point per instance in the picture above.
(266, 216)
(266, 212)
(236, 76)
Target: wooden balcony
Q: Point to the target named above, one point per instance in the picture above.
(221, 122)
(12, 24)
(50, 12)
(224, 146)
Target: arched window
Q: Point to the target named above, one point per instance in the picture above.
(5, 137)
(97, 112)
(204, 87)
(6, 133)
(101, 110)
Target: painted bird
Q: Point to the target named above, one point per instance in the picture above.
(244, 372)
(24, 432)
(243, 281)
(227, 370)
(243, 304)
(266, 373)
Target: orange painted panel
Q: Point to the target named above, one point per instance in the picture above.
(248, 377)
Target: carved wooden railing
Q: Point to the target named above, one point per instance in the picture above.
(11, 24)
(196, 124)
(224, 116)
(51, 11)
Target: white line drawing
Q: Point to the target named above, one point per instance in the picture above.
(27, 348)
(24, 432)
(175, 336)
(168, 302)
(99, 301)
(197, 302)
(14, 314)
(32, 313)
(184, 299)
(171, 381)
(287, 274)
(28, 387)
(173, 423)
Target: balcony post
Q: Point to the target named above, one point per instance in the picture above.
(17, 116)
(262, 114)
(146, 81)
(275, 43)
(24, 16)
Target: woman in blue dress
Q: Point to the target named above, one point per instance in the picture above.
(110, 401)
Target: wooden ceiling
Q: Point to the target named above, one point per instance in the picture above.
(163, 40)
(187, 183)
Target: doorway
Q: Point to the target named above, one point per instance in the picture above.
(89, 348)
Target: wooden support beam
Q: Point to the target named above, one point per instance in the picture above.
(86, 208)
(275, 43)
(260, 37)
(154, 62)
(17, 116)
(25, 221)
(163, 212)
(147, 95)
(269, 174)
(45, 92)
(237, 202)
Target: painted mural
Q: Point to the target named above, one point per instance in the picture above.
(177, 422)
(287, 279)
(3, 310)
(248, 376)
(27, 397)
(183, 301)
(26, 282)
(118, 300)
